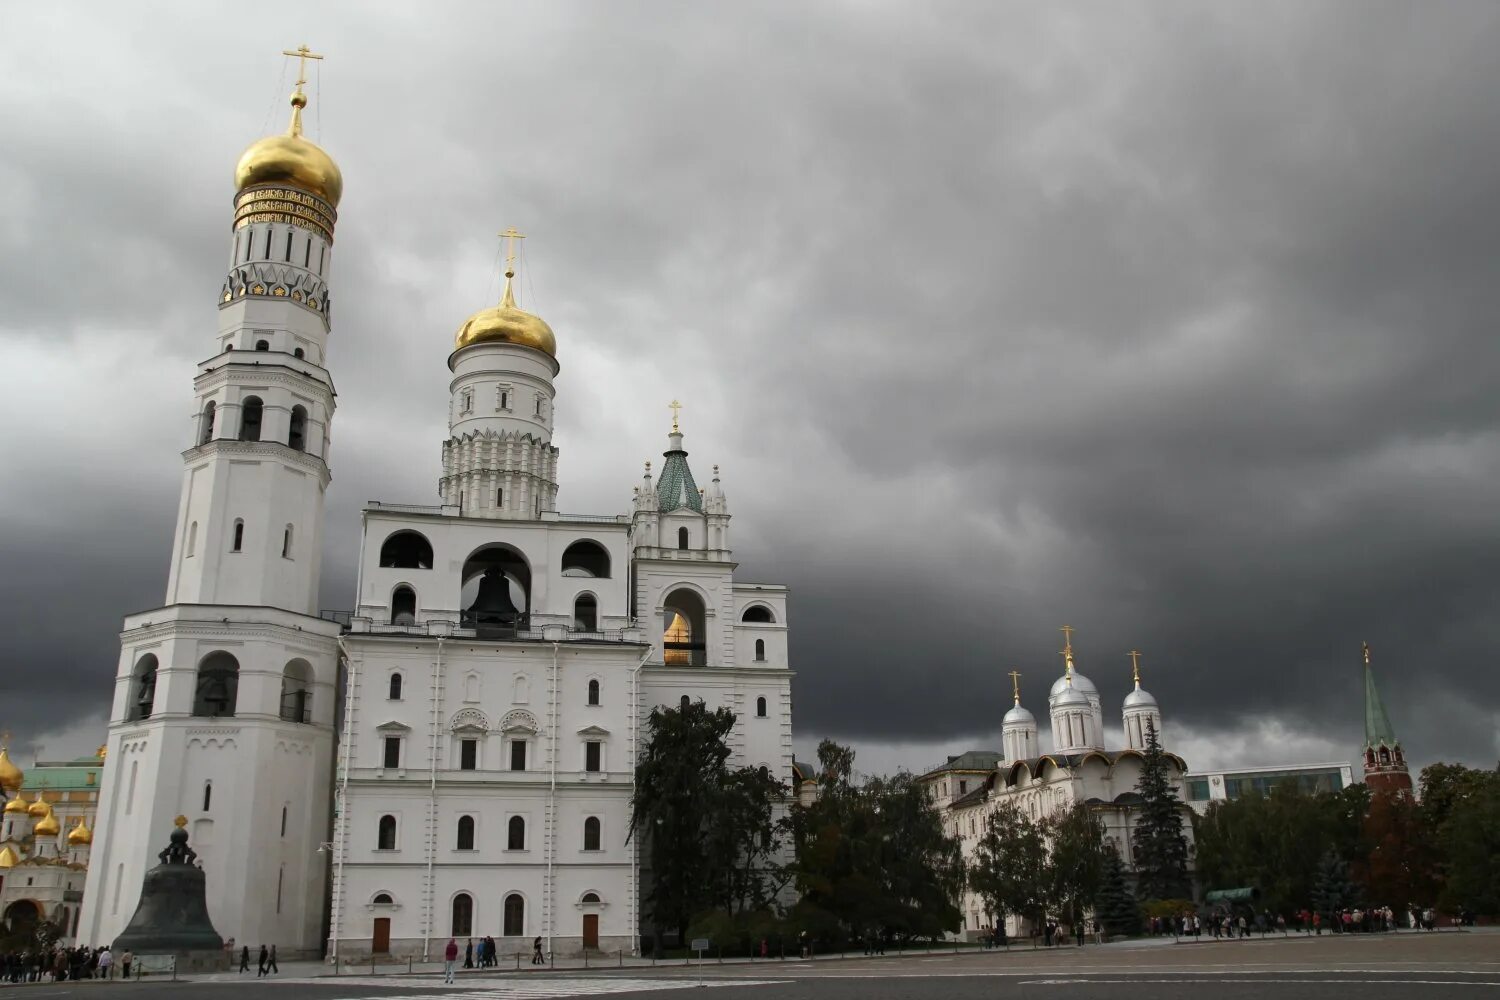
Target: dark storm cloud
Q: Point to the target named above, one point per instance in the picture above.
(1174, 323)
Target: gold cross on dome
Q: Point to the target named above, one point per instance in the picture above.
(510, 236)
(674, 406)
(1365, 648)
(1067, 631)
(1135, 665)
(1015, 684)
(303, 54)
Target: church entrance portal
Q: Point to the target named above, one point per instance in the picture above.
(591, 930)
(380, 939)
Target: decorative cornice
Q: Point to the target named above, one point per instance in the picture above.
(261, 449)
(265, 372)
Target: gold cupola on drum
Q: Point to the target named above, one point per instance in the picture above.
(506, 323)
(286, 196)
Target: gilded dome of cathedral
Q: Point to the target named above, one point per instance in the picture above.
(11, 776)
(291, 160)
(38, 807)
(80, 834)
(48, 826)
(15, 805)
(507, 324)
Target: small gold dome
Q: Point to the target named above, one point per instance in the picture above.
(507, 324)
(80, 834)
(11, 776)
(38, 807)
(15, 805)
(8, 857)
(291, 160)
(48, 826)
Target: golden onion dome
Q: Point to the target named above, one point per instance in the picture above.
(48, 826)
(81, 834)
(15, 806)
(507, 324)
(8, 857)
(11, 776)
(291, 160)
(38, 807)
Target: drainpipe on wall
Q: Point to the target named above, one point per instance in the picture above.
(552, 812)
(634, 920)
(432, 748)
(340, 801)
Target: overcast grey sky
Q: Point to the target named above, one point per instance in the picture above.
(1175, 322)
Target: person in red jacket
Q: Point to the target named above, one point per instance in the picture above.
(450, 956)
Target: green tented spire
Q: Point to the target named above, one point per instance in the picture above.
(675, 488)
(1378, 729)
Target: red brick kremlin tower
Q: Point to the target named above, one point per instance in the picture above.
(1385, 764)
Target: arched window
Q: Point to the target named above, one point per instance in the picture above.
(382, 899)
(760, 708)
(143, 700)
(515, 834)
(264, 345)
(286, 542)
(192, 545)
(686, 701)
(297, 432)
(208, 795)
(496, 594)
(760, 650)
(395, 692)
(386, 835)
(250, 414)
(283, 821)
(463, 915)
(206, 430)
(684, 615)
(590, 899)
(218, 685)
(237, 544)
(299, 353)
(515, 916)
(759, 614)
(591, 834)
(404, 606)
(586, 614)
(585, 557)
(406, 550)
(682, 538)
(593, 692)
(465, 833)
(296, 691)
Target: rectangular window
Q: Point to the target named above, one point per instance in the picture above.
(392, 752)
(320, 259)
(504, 399)
(539, 406)
(468, 755)
(288, 260)
(1198, 790)
(963, 786)
(307, 252)
(592, 752)
(518, 755)
(268, 244)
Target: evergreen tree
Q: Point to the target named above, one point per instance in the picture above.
(1333, 891)
(1161, 849)
(1118, 909)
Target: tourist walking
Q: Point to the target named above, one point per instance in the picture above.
(273, 968)
(469, 954)
(106, 962)
(245, 959)
(536, 952)
(450, 956)
(125, 959)
(264, 955)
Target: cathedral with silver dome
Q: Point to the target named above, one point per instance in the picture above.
(1079, 768)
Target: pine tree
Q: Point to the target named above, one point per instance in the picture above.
(1160, 847)
(1333, 891)
(1118, 909)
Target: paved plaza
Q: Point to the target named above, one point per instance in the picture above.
(1373, 967)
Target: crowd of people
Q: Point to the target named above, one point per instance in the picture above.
(56, 965)
(1242, 923)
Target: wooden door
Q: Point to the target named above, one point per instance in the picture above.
(591, 930)
(380, 942)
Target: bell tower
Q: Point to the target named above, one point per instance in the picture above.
(1385, 763)
(224, 696)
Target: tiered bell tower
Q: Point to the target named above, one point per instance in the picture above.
(224, 697)
(1385, 763)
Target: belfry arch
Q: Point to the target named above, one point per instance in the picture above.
(684, 629)
(496, 594)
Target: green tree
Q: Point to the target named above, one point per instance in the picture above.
(1118, 908)
(1333, 891)
(1470, 842)
(707, 829)
(1075, 861)
(873, 858)
(1161, 850)
(1008, 870)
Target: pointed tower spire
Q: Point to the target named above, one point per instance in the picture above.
(1385, 763)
